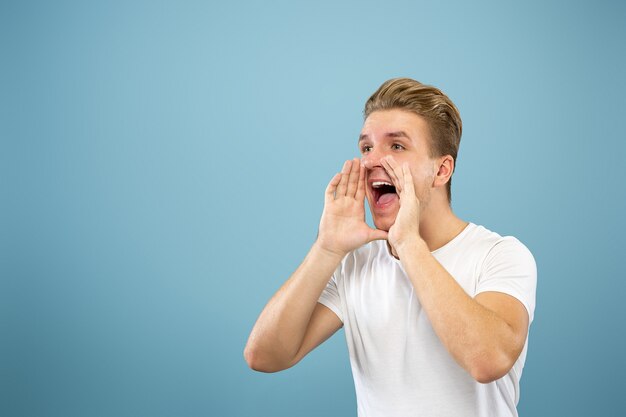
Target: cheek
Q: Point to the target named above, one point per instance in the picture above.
(426, 170)
(424, 174)
(423, 184)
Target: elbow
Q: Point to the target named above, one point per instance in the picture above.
(489, 368)
(259, 361)
(485, 376)
(255, 360)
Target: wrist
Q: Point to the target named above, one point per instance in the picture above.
(411, 247)
(326, 253)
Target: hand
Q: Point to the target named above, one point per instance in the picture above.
(405, 230)
(342, 227)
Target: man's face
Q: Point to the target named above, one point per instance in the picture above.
(406, 137)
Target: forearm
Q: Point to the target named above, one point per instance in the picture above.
(478, 339)
(279, 331)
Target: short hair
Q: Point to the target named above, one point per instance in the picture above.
(428, 102)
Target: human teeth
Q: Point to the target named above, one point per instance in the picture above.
(378, 184)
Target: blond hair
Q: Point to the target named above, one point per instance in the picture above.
(428, 102)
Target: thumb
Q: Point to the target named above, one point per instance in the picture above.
(392, 251)
(377, 234)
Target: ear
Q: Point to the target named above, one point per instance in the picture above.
(445, 168)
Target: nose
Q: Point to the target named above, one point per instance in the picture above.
(371, 159)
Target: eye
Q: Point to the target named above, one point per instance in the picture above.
(397, 147)
(366, 148)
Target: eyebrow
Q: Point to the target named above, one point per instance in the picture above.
(398, 134)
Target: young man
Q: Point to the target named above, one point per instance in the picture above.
(436, 310)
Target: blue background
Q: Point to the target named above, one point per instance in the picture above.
(163, 167)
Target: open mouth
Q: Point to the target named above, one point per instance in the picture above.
(383, 192)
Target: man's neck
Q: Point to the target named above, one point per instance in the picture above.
(439, 226)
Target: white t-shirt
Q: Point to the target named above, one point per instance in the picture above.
(399, 365)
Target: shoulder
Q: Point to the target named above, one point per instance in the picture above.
(509, 267)
(492, 244)
(493, 254)
(507, 249)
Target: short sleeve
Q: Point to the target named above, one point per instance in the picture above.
(330, 297)
(510, 268)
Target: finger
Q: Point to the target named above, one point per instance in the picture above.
(353, 180)
(408, 178)
(390, 166)
(393, 174)
(377, 234)
(392, 251)
(360, 191)
(332, 188)
(345, 172)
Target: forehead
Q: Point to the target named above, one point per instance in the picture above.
(391, 123)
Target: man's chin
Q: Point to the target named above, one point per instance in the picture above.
(384, 219)
(384, 224)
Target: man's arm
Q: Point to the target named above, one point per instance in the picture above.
(293, 323)
(485, 334)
